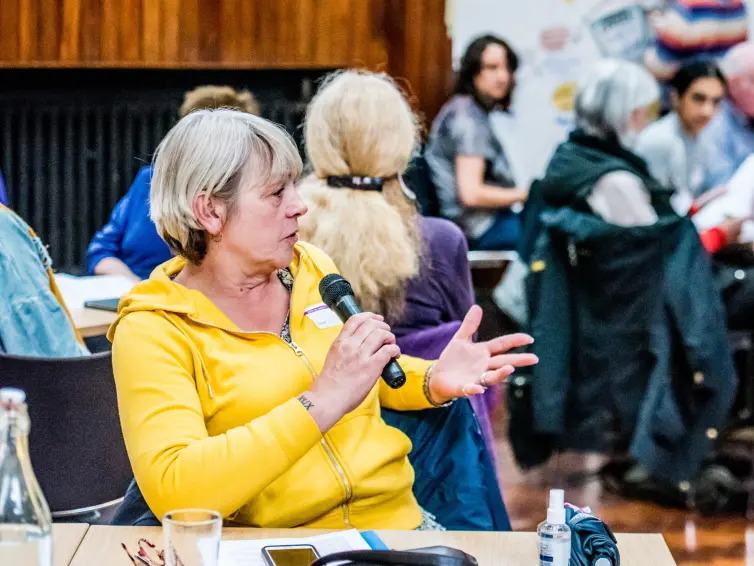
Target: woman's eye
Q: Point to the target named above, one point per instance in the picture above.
(279, 192)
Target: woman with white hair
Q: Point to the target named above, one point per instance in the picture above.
(235, 393)
(629, 346)
(615, 101)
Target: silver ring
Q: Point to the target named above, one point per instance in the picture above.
(483, 381)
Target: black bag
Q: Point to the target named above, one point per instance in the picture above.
(433, 556)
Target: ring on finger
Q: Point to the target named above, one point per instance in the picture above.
(463, 390)
(483, 381)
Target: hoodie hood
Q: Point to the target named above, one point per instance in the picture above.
(161, 293)
(580, 161)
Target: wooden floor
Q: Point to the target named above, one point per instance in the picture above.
(693, 540)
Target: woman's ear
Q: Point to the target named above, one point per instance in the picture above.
(209, 212)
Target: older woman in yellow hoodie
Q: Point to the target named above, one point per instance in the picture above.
(235, 393)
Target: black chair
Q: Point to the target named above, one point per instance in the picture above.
(419, 180)
(76, 444)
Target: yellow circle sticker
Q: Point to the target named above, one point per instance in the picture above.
(564, 96)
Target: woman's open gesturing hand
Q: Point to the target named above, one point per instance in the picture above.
(467, 368)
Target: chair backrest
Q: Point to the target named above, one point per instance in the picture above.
(418, 179)
(76, 443)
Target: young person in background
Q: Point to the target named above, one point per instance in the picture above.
(471, 173)
(128, 244)
(671, 146)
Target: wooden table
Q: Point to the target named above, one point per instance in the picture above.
(101, 544)
(92, 322)
(66, 538)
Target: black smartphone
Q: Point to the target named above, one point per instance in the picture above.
(292, 555)
(103, 304)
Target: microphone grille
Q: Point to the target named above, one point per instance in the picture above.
(333, 287)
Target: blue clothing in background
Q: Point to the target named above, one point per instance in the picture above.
(730, 139)
(3, 193)
(130, 235)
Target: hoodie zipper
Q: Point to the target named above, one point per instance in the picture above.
(330, 454)
(325, 445)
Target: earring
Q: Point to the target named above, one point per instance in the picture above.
(217, 238)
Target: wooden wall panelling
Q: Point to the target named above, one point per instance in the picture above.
(209, 30)
(49, 31)
(404, 37)
(69, 42)
(171, 29)
(9, 29)
(90, 36)
(27, 32)
(110, 31)
(189, 32)
(130, 25)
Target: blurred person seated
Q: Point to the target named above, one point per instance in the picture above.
(33, 318)
(730, 136)
(233, 395)
(625, 313)
(128, 244)
(411, 269)
(671, 146)
(470, 171)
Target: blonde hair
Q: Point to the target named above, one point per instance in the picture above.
(359, 123)
(206, 152)
(210, 96)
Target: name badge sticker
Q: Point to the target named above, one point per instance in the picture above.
(321, 315)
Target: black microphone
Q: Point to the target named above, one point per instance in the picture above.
(337, 294)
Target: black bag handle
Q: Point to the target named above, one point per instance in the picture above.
(394, 558)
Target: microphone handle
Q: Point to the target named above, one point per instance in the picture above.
(392, 374)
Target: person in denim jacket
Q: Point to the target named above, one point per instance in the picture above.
(33, 317)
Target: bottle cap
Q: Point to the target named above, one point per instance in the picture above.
(12, 396)
(556, 509)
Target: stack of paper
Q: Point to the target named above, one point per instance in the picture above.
(249, 552)
(737, 202)
(77, 290)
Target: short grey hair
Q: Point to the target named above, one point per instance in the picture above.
(206, 152)
(609, 92)
(738, 61)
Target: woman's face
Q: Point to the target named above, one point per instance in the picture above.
(264, 225)
(494, 78)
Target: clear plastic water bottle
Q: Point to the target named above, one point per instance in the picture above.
(25, 521)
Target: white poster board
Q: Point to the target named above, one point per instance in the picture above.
(555, 40)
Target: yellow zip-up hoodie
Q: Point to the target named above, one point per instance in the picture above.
(210, 416)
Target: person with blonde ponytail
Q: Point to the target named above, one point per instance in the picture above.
(360, 135)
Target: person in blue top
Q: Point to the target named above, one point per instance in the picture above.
(3, 194)
(128, 244)
(730, 136)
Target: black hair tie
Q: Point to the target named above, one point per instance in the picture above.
(356, 182)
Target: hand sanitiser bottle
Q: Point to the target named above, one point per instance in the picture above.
(554, 535)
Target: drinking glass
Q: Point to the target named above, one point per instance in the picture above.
(192, 537)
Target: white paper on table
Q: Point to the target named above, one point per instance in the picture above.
(77, 290)
(737, 202)
(249, 552)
